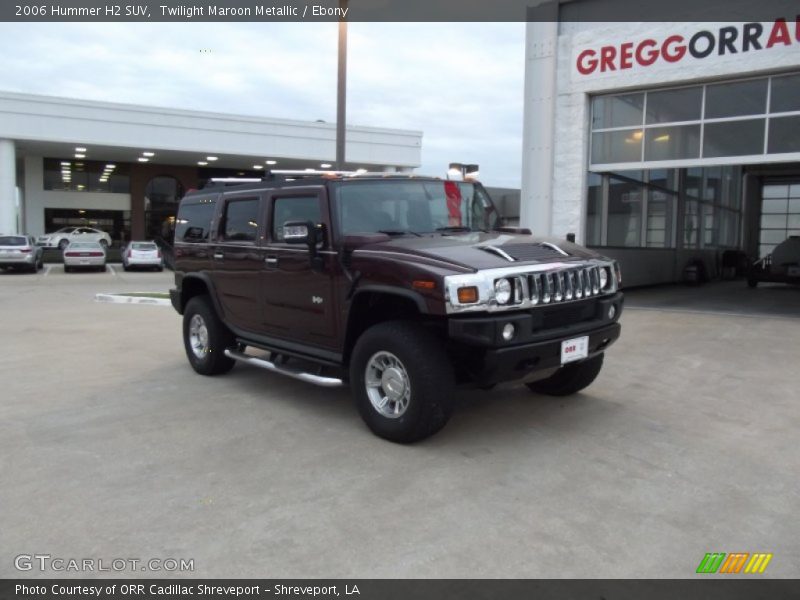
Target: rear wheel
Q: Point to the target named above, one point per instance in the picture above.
(569, 379)
(205, 338)
(67, 269)
(401, 381)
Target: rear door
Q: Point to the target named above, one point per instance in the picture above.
(298, 300)
(236, 259)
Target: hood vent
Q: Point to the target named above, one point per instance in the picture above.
(499, 252)
(526, 252)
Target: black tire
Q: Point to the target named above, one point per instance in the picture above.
(430, 380)
(63, 244)
(125, 267)
(213, 361)
(103, 243)
(752, 281)
(67, 269)
(40, 264)
(570, 379)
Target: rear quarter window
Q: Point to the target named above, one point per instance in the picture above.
(193, 223)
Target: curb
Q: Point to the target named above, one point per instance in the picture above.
(120, 299)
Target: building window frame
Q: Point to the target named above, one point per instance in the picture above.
(702, 159)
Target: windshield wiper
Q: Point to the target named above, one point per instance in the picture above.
(399, 232)
(454, 229)
(459, 229)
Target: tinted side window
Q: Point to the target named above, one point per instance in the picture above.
(296, 208)
(194, 222)
(241, 220)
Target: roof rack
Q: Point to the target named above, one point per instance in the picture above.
(293, 175)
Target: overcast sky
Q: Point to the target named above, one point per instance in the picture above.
(460, 83)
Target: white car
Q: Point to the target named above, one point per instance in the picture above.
(142, 254)
(84, 255)
(66, 235)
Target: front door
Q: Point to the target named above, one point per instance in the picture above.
(298, 299)
(237, 261)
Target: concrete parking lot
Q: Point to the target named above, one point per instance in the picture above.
(111, 447)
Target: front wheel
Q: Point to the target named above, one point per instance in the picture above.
(402, 382)
(62, 245)
(569, 379)
(205, 338)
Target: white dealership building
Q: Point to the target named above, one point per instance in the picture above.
(122, 167)
(662, 144)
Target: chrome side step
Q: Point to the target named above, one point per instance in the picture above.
(294, 374)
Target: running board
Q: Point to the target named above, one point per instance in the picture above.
(294, 374)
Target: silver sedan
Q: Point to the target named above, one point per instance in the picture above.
(84, 255)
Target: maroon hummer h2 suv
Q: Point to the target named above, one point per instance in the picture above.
(403, 287)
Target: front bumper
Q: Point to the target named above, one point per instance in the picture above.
(478, 345)
(175, 298)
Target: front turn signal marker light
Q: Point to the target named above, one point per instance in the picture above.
(468, 295)
(423, 284)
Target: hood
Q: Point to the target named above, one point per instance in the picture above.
(475, 251)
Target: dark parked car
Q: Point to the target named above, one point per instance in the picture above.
(401, 286)
(782, 265)
(20, 252)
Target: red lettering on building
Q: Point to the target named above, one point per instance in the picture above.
(779, 34)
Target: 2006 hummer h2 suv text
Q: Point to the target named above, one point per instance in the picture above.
(402, 286)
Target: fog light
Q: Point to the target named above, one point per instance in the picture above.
(612, 311)
(508, 331)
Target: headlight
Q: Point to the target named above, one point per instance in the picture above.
(603, 278)
(502, 291)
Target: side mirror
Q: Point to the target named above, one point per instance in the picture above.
(305, 232)
(298, 232)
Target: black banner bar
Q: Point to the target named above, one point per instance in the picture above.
(711, 588)
(396, 10)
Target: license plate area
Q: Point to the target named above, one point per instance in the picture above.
(574, 349)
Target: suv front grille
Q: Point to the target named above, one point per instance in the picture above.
(534, 285)
(563, 285)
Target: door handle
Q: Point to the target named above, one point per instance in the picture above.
(271, 260)
(219, 255)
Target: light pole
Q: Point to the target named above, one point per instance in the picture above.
(341, 91)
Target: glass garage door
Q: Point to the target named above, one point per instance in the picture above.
(780, 214)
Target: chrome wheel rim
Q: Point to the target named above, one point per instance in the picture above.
(198, 336)
(387, 384)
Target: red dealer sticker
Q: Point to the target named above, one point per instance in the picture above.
(732, 39)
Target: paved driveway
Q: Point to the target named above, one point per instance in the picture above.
(111, 447)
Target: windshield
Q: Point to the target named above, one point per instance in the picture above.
(12, 241)
(143, 246)
(92, 245)
(408, 206)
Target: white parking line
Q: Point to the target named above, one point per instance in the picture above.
(113, 272)
(47, 270)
